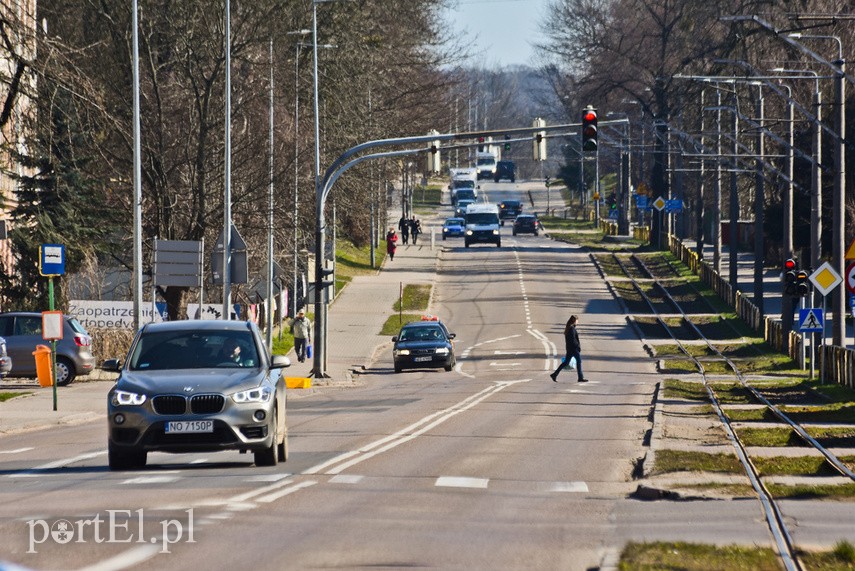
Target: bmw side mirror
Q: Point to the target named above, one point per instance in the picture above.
(395, 339)
(452, 335)
(111, 365)
(280, 362)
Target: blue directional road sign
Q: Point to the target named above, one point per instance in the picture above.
(811, 319)
(674, 205)
(642, 202)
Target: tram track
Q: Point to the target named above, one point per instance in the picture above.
(638, 273)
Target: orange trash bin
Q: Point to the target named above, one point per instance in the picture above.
(44, 366)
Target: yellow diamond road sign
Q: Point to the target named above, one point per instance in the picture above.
(659, 203)
(825, 278)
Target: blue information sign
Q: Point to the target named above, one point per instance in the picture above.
(52, 260)
(674, 205)
(810, 319)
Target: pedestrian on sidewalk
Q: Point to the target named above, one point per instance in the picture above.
(573, 350)
(404, 227)
(391, 243)
(416, 229)
(301, 328)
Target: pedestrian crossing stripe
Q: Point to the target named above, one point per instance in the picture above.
(810, 319)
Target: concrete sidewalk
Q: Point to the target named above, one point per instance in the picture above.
(358, 313)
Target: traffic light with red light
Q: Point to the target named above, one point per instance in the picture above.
(790, 269)
(589, 129)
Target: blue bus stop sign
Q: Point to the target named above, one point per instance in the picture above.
(52, 260)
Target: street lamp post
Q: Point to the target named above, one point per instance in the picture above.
(838, 212)
(816, 171)
(320, 221)
(269, 285)
(227, 167)
(296, 212)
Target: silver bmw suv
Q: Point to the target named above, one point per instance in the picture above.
(197, 386)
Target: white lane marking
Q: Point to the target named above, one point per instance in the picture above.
(295, 488)
(33, 472)
(468, 350)
(349, 459)
(551, 362)
(496, 364)
(241, 506)
(497, 352)
(199, 461)
(269, 478)
(152, 480)
(127, 559)
(346, 479)
(461, 482)
(572, 487)
(17, 450)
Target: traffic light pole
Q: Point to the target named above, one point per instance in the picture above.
(344, 162)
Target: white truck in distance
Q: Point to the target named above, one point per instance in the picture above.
(463, 178)
(485, 162)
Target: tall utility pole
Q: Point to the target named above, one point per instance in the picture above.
(227, 194)
(733, 250)
(269, 285)
(839, 218)
(759, 208)
(138, 292)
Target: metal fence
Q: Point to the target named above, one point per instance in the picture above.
(840, 361)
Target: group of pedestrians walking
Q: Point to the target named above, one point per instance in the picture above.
(408, 227)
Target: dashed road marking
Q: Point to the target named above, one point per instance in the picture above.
(17, 450)
(461, 482)
(152, 480)
(571, 487)
(346, 479)
(35, 471)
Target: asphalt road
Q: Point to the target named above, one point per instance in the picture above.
(490, 466)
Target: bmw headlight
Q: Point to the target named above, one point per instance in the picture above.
(252, 395)
(469, 232)
(403, 352)
(495, 232)
(126, 398)
(442, 350)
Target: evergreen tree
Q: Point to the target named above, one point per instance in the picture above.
(58, 202)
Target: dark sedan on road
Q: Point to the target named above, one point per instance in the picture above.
(423, 345)
(197, 386)
(453, 228)
(526, 224)
(509, 209)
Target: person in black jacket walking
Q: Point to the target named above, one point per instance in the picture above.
(573, 350)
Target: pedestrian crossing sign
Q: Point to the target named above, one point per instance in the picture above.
(810, 319)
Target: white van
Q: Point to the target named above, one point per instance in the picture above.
(482, 224)
(486, 165)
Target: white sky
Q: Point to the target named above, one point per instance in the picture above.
(504, 28)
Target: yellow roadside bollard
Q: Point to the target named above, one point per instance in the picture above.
(44, 366)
